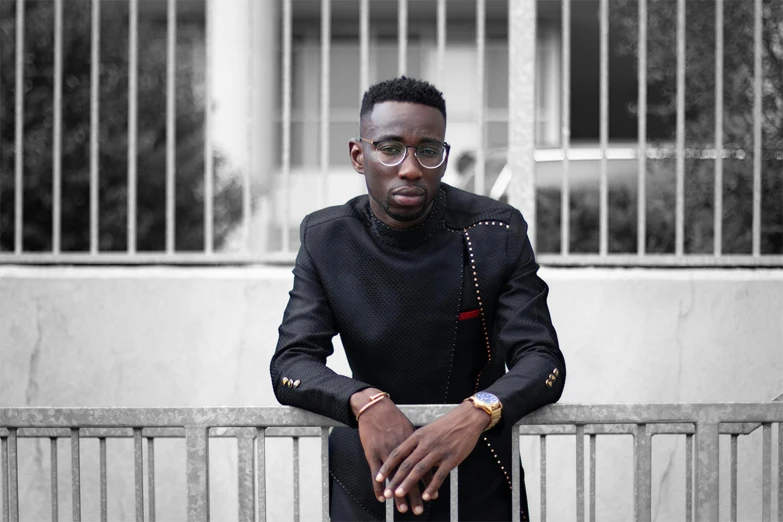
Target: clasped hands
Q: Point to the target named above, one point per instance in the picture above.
(395, 450)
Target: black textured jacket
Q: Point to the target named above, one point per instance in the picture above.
(394, 297)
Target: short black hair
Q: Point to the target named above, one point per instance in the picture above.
(403, 89)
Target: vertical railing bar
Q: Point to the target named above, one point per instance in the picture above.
(57, 130)
(245, 479)
(521, 104)
(19, 130)
(296, 479)
(542, 485)
(402, 37)
(133, 114)
(209, 173)
(389, 505)
(76, 489)
(171, 122)
(641, 191)
(592, 477)
(104, 481)
(481, 14)
(441, 41)
(757, 101)
(642, 474)
(13, 475)
(286, 159)
(516, 483)
(565, 129)
(454, 495)
(261, 473)
(250, 163)
(780, 471)
(718, 217)
(604, 128)
(138, 474)
(4, 476)
(326, 63)
(707, 471)
(325, 474)
(95, 78)
(197, 450)
(151, 478)
(689, 478)
(580, 473)
(679, 232)
(53, 476)
(766, 473)
(364, 46)
(734, 477)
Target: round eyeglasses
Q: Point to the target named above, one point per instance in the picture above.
(391, 153)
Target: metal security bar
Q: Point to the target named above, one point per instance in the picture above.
(705, 422)
(406, 25)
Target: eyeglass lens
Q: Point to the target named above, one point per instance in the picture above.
(392, 153)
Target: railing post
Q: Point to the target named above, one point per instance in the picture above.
(707, 471)
(642, 463)
(246, 484)
(521, 108)
(197, 450)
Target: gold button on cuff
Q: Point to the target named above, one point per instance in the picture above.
(556, 372)
(548, 383)
(552, 377)
(285, 381)
(297, 383)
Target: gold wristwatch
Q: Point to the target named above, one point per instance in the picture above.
(490, 404)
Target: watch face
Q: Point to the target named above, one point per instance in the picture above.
(487, 398)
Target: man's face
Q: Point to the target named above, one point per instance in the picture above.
(400, 196)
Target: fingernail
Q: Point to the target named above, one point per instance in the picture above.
(418, 510)
(399, 492)
(381, 498)
(379, 478)
(387, 493)
(403, 508)
(425, 496)
(435, 495)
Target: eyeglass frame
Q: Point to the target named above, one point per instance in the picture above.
(446, 146)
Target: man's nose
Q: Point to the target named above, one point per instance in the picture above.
(410, 168)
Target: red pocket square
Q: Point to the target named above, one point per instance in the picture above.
(470, 314)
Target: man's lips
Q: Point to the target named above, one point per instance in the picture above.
(408, 196)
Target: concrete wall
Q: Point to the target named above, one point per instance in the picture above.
(203, 337)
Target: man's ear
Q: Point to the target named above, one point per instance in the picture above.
(356, 151)
(444, 167)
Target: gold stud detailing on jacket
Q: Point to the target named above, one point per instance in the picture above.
(552, 378)
(290, 382)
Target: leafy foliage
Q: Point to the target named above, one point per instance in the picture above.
(38, 143)
(699, 178)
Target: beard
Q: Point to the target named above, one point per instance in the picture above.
(402, 218)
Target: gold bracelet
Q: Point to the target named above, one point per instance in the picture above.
(373, 399)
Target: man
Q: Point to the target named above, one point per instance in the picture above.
(434, 291)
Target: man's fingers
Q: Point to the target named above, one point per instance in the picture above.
(414, 496)
(409, 473)
(440, 475)
(395, 457)
(427, 479)
(375, 465)
(402, 505)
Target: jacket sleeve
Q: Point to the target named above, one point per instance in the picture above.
(523, 329)
(304, 343)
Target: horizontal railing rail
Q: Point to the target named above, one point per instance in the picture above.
(251, 426)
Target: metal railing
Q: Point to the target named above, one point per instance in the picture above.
(521, 44)
(704, 422)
